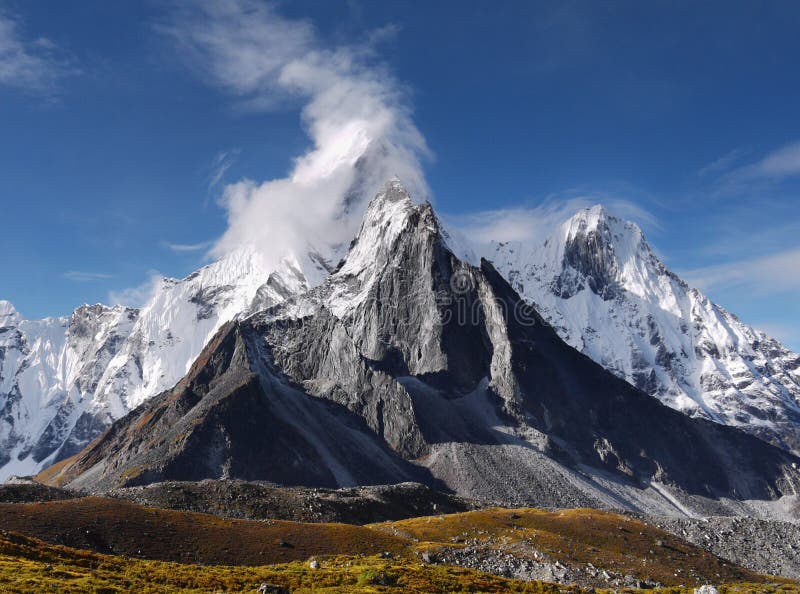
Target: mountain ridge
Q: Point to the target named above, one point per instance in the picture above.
(606, 293)
(57, 394)
(376, 366)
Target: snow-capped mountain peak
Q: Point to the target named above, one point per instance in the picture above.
(601, 285)
(385, 217)
(604, 253)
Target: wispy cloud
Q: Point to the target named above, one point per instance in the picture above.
(724, 163)
(31, 64)
(81, 276)
(240, 46)
(781, 163)
(219, 166)
(384, 34)
(139, 295)
(536, 222)
(355, 112)
(765, 275)
(731, 174)
(188, 247)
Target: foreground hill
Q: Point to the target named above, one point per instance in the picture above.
(29, 565)
(585, 547)
(261, 501)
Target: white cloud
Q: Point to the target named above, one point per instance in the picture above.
(139, 295)
(766, 275)
(535, 223)
(33, 65)
(81, 276)
(240, 45)
(188, 247)
(383, 34)
(354, 111)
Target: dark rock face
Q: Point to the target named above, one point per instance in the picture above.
(87, 428)
(609, 424)
(588, 253)
(408, 364)
(207, 300)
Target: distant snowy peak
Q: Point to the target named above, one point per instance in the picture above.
(599, 283)
(46, 369)
(8, 315)
(599, 252)
(64, 380)
(596, 250)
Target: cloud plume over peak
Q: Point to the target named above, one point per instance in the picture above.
(354, 111)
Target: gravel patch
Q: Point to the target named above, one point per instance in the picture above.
(766, 546)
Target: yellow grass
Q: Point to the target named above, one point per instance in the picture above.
(238, 555)
(29, 565)
(579, 536)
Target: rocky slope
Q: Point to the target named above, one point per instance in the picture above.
(265, 501)
(598, 282)
(409, 364)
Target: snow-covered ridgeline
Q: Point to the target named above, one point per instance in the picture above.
(63, 380)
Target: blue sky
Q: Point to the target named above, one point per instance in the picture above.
(120, 128)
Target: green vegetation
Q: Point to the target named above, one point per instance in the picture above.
(29, 565)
